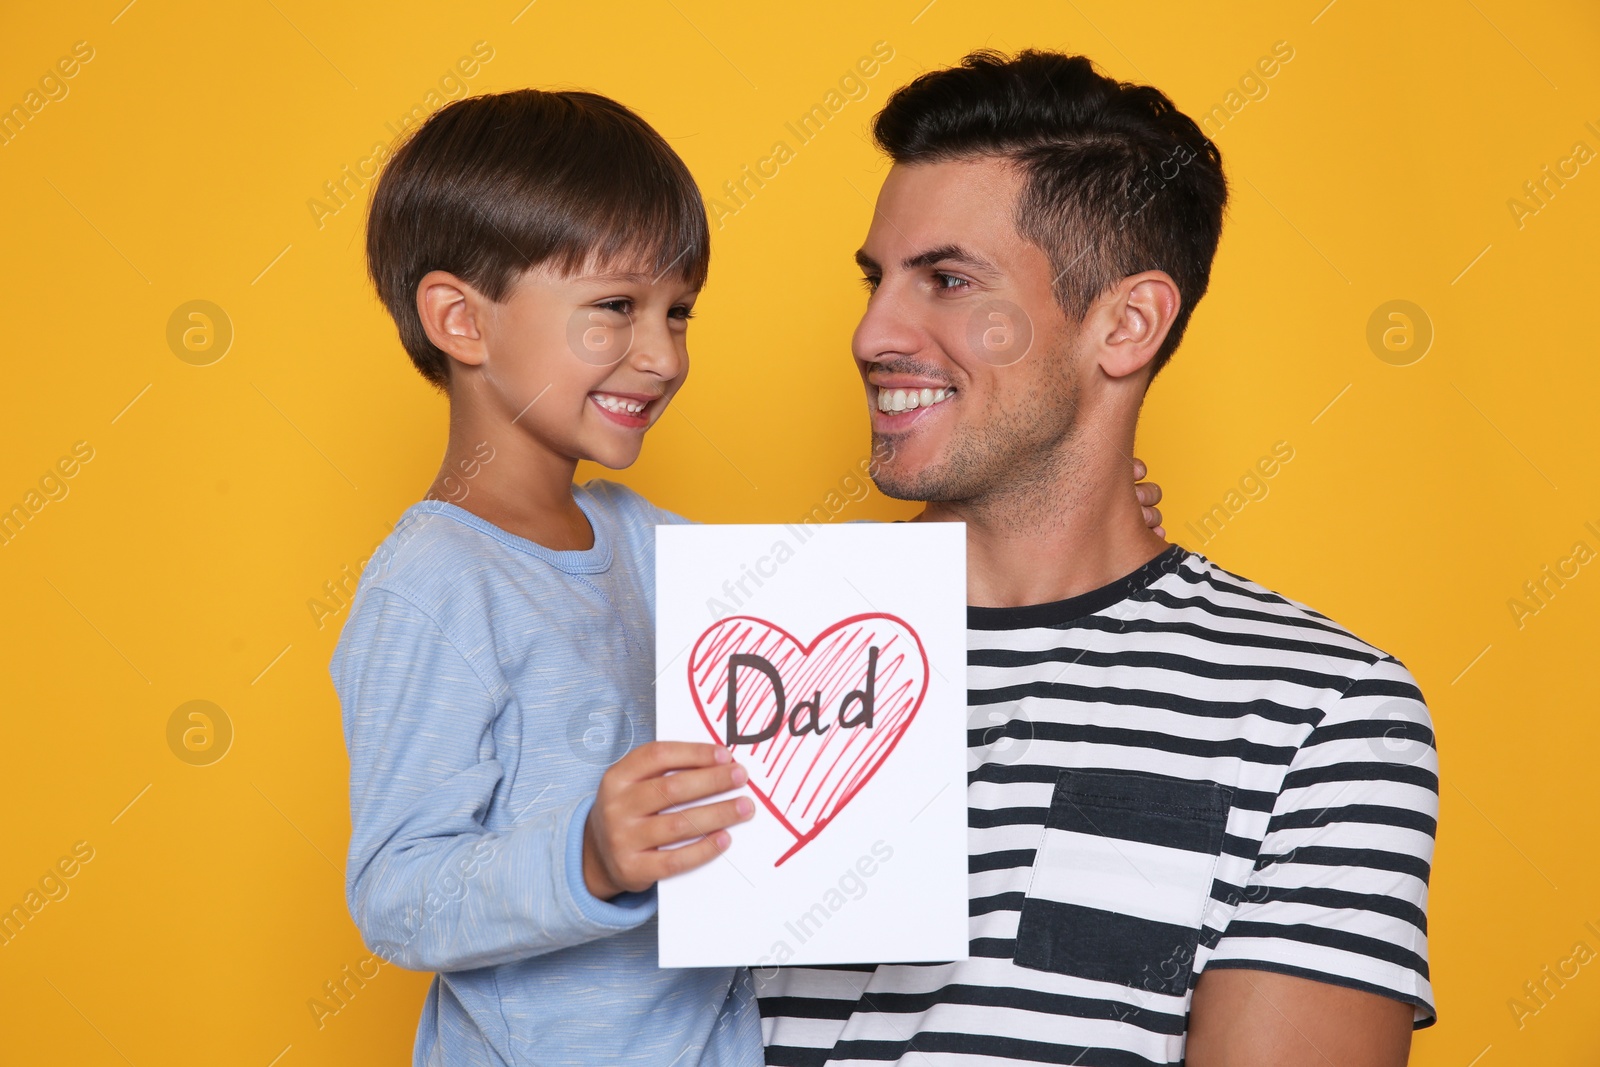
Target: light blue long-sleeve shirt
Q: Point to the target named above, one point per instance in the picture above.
(487, 683)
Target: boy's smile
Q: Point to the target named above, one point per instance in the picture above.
(626, 409)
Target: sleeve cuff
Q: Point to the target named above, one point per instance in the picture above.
(622, 913)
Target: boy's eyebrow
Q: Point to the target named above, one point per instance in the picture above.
(619, 276)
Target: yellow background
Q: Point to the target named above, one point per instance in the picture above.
(1378, 166)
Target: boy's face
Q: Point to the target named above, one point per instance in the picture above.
(587, 362)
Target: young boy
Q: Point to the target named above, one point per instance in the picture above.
(540, 254)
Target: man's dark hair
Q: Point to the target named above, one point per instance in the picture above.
(492, 185)
(1118, 180)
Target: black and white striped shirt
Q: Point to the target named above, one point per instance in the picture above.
(1178, 771)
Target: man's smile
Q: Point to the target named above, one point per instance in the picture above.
(900, 399)
(897, 400)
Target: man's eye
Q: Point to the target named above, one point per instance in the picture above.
(870, 283)
(948, 281)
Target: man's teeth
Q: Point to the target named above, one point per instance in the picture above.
(892, 400)
(618, 404)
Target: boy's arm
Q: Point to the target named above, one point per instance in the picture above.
(428, 885)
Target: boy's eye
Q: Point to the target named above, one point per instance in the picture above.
(681, 311)
(621, 305)
(870, 282)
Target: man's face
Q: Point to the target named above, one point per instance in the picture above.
(965, 355)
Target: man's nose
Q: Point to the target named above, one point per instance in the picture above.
(887, 329)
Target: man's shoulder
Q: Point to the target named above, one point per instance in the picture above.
(1235, 596)
(1244, 609)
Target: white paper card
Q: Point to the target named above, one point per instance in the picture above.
(843, 650)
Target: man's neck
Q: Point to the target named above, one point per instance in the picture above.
(1053, 538)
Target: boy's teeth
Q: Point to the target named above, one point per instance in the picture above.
(893, 400)
(618, 404)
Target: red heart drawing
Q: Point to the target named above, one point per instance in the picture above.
(817, 721)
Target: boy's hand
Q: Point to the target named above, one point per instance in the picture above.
(625, 831)
(1149, 494)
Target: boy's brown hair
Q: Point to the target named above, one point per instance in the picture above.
(492, 185)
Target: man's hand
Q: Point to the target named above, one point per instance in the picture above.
(626, 828)
(1245, 1018)
(1149, 494)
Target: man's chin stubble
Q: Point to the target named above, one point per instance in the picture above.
(1010, 488)
(943, 483)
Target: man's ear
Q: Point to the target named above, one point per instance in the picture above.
(451, 311)
(1136, 317)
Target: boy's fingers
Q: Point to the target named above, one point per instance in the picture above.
(690, 823)
(657, 757)
(1149, 493)
(1152, 517)
(1139, 469)
(673, 861)
(653, 794)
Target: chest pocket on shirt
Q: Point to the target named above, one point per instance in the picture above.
(1122, 877)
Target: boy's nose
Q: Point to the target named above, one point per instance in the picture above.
(655, 352)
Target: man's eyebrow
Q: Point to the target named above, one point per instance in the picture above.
(942, 254)
(945, 254)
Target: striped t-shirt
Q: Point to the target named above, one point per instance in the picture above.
(1175, 772)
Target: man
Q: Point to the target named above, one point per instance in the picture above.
(1201, 814)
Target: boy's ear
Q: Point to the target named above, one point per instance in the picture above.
(450, 310)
